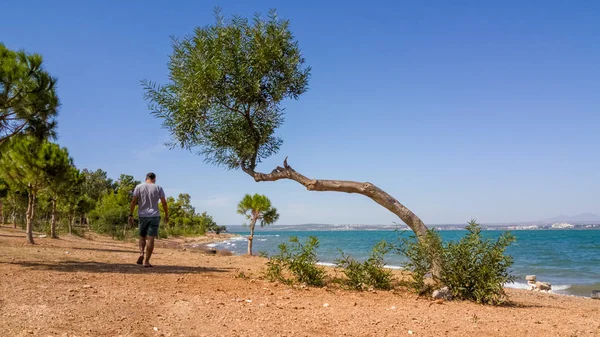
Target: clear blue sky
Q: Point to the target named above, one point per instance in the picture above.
(459, 109)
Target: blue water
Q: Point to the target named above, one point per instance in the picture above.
(568, 259)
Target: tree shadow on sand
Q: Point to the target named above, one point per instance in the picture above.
(118, 268)
(14, 235)
(107, 250)
(522, 305)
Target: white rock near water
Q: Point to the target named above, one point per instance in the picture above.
(543, 286)
(443, 294)
(537, 285)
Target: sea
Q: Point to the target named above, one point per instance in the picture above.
(568, 259)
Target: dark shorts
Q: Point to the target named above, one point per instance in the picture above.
(149, 226)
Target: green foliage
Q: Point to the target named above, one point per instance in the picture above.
(184, 221)
(276, 266)
(3, 189)
(257, 208)
(28, 100)
(15, 205)
(96, 184)
(420, 256)
(300, 260)
(476, 268)
(26, 162)
(473, 268)
(370, 273)
(227, 82)
(110, 215)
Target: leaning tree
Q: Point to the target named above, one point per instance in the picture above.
(223, 101)
(28, 100)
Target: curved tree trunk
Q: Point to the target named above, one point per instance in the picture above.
(365, 188)
(53, 220)
(30, 214)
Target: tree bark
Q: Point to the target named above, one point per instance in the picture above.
(53, 220)
(365, 188)
(251, 237)
(1, 212)
(30, 214)
(71, 219)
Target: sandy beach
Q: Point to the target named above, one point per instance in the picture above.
(76, 286)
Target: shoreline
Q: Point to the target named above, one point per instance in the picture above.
(93, 287)
(559, 288)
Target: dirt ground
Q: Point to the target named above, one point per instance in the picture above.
(76, 286)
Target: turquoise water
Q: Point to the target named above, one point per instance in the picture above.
(569, 259)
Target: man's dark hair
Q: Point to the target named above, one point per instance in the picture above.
(150, 176)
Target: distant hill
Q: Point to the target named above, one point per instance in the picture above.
(586, 217)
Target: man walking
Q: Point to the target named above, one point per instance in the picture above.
(146, 196)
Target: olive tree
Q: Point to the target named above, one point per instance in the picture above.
(223, 100)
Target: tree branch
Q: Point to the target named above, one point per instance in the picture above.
(365, 188)
(14, 132)
(232, 108)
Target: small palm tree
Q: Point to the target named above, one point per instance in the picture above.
(257, 207)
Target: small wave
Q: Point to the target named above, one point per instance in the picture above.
(329, 264)
(395, 267)
(262, 239)
(229, 242)
(518, 285)
(561, 287)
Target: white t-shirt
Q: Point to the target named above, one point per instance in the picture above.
(148, 195)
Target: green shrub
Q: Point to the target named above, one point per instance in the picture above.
(473, 268)
(275, 267)
(420, 256)
(370, 273)
(300, 260)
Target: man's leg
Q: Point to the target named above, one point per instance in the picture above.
(142, 245)
(149, 250)
(143, 229)
(153, 224)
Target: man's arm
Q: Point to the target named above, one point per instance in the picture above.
(165, 208)
(132, 206)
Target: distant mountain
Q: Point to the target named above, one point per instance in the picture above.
(587, 217)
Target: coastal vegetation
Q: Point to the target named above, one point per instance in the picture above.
(224, 101)
(228, 82)
(40, 187)
(473, 268)
(369, 274)
(296, 262)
